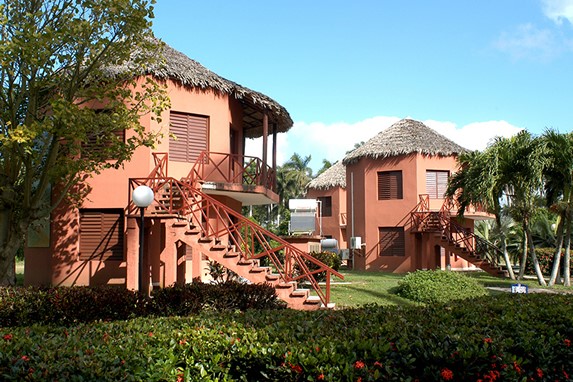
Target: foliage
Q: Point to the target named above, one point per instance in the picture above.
(330, 259)
(435, 286)
(546, 257)
(502, 339)
(68, 305)
(55, 61)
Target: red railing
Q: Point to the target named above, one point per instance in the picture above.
(219, 222)
(232, 168)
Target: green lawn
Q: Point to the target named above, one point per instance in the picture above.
(359, 287)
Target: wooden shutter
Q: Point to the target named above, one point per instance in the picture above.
(390, 185)
(392, 241)
(436, 183)
(101, 235)
(192, 136)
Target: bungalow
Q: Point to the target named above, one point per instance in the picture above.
(391, 208)
(200, 179)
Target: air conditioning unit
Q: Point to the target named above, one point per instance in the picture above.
(355, 242)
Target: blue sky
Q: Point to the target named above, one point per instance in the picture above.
(346, 70)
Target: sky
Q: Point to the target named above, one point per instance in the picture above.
(346, 70)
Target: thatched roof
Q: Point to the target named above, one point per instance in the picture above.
(335, 176)
(405, 137)
(189, 73)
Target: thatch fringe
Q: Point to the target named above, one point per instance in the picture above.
(335, 176)
(177, 67)
(405, 137)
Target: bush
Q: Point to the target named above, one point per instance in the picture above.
(545, 258)
(438, 286)
(68, 305)
(507, 338)
(330, 259)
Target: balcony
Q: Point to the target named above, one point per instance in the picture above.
(243, 178)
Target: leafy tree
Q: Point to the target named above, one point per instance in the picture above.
(326, 164)
(56, 58)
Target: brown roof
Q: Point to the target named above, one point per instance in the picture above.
(189, 73)
(335, 176)
(405, 137)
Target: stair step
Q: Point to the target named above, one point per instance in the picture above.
(192, 232)
(286, 285)
(314, 300)
(272, 277)
(299, 293)
(205, 240)
(180, 224)
(259, 269)
(218, 247)
(231, 254)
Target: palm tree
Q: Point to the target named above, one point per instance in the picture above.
(326, 164)
(478, 183)
(559, 193)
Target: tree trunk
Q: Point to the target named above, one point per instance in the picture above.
(557, 256)
(536, 266)
(567, 245)
(506, 258)
(523, 260)
(11, 239)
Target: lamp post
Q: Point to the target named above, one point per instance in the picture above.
(142, 197)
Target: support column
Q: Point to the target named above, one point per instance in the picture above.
(274, 180)
(265, 145)
(132, 254)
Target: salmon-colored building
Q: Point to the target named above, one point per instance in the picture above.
(201, 179)
(391, 208)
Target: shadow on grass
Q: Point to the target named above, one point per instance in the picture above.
(377, 297)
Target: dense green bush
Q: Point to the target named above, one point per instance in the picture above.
(509, 338)
(66, 305)
(328, 258)
(545, 258)
(435, 286)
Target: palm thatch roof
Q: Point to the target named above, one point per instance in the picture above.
(189, 73)
(335, 176)
(405, 137)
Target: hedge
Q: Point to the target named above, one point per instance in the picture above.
(68, 305)
(507, 338)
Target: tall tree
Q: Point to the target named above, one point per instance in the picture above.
(558, 176)
(479, 182)
(56, 61)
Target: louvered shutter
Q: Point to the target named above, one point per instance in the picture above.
(101, 235)
(392, 241)
(191, 132)
(390, 185)
(436, 183)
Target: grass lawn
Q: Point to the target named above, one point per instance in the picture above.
(361, 287)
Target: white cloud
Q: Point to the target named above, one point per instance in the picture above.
(332, 141)
(528, 41)
(558, 10)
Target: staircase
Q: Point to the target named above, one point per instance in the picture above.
(451, 236)
(225, 236)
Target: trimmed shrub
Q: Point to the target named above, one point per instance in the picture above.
(330, 259)
(545, 258)
(507, 338)
(69, 305)
(436, 286)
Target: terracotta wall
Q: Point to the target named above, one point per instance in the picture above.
(371, 213)
(59, 264)
(333, 225)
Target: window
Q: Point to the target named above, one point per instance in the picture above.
(391, 241)
(101, 138)
(326, 205)
(191, 132)
(101, 234)
(389, 185)
(436, 183)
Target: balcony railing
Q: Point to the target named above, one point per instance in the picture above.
(232, 168)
